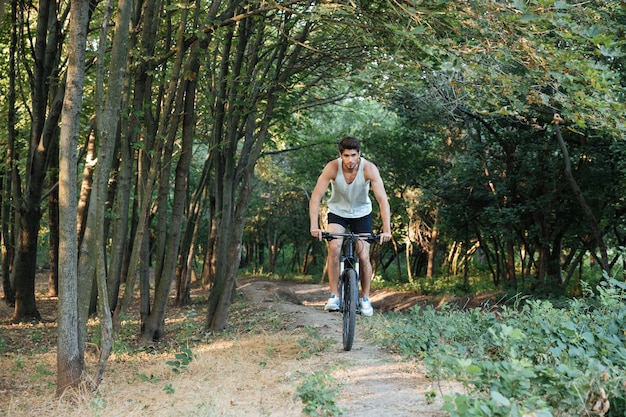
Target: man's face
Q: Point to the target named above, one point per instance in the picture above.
(350, 158)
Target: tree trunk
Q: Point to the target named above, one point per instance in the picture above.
(10, 182)
(251, 79)
(7, 238)
(108, 109)
(554, 274)
(70, 351)
(138, 242)
(511, 277)
(120, 222)
(209, 265)
(591, 219)
(148, 158)
(227, 260)
(221, 293)
(53, 225)
(188, 248)
(153, 327)
(234, 208)
(41, 134)
(141, 111)
(86, 186)
(25, 267)
(432, 249)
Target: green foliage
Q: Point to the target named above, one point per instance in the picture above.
(438, 285)
(183, 359)
(36, 335)
(145, 378)
(532, 357)
(246, 318)
(18, 364)
(313, 343)
(41, 371)
(98, 404)
(318, 393)
(121, 344)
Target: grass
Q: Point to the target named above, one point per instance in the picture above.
(253, 368)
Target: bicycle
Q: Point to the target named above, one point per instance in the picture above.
(349, 281)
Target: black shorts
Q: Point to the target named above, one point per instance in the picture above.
(360, 225)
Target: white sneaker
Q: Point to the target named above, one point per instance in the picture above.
(366, 307)
(332, 304)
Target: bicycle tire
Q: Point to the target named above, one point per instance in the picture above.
(350, 300)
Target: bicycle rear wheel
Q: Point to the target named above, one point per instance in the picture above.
(350, 300)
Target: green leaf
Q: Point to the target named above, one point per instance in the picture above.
(500, 399)
(519, 4)
(610, 52)
(588, 337)
(473, 370)
(561, 5)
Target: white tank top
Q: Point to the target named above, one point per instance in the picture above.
(352, 200)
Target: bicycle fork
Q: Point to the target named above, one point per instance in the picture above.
(354, 264)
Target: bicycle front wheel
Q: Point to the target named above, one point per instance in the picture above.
(350, 300)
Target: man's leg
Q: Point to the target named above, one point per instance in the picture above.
(365, 267)
(333, 264)
(363, 225)
(366, 278)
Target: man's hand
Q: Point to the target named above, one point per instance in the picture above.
(384, 237)
(316, 233)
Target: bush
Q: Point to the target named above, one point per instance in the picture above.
(318, 393)
(535, 358)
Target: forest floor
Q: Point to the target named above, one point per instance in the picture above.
(280, 339)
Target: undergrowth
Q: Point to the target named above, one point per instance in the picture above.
(318, 392)
(531, 358)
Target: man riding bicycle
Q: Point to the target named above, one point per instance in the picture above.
(351, 178)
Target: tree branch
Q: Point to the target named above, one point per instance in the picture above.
(593, 223)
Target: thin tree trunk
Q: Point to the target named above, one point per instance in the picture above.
(591, 219)
(153, 327)
(188, 248)
(70, 352)
(6, 238)
(511, 276)
(236, 161)
(11, 179)
(86, 186)
(53, 226)
(120, 222)
(149, 159)
(209, 263)
(141, 110)
(108, 111)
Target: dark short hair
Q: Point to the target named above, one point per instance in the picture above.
(349, 143)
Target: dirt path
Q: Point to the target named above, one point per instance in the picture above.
(373, 382)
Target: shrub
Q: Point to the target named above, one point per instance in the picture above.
(318, 393)
(535, 358)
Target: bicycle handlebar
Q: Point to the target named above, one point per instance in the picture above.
(368, 237)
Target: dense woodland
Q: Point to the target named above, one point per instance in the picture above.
(154, 145)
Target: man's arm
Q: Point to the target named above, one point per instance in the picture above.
(378, 187)
(328, 174)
